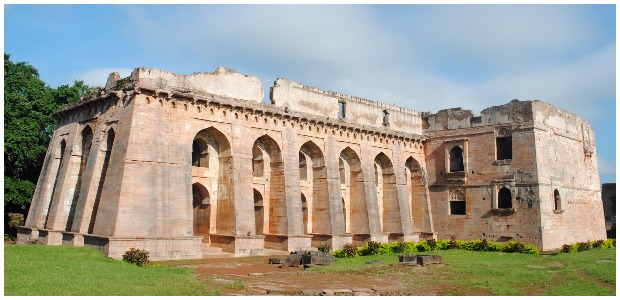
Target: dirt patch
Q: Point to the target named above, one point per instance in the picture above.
(255, 276)
(588, 277)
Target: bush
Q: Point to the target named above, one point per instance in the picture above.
(423, 246)
(608, 243)
(482, 245)
(566, 248)
(470, 245)
(443, 245)
(530, 249)
(349, 250)
(454, 243)
(370, 248)
(496, 247)
(597, 243)
(432, 243)
(399, 247)
(135, 256)
(325, 247)
(583, 246)
(513, 246)
(384, 248)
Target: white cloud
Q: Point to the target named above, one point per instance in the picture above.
(98, 77)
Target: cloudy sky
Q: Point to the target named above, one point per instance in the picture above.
(423, 57)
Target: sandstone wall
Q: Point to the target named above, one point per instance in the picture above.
(567, 163)
(484, 174)
(297, 97)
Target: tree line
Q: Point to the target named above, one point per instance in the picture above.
(28, 127)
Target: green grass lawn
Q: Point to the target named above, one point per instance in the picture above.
(65, 270)
(499, 273)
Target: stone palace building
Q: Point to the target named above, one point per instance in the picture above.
(179, 165)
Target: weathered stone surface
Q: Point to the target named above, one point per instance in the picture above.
(311, 292)
(275, 260)
(375, 262)
(167, 163)
(407, 257)
(293, 260)
(428, 259)
(318, 258)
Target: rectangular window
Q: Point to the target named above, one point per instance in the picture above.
(457, 207)
(341, 110)
(504, 148)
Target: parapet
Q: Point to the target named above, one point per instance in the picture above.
(456, 118)
(310, 100)
(223, 82)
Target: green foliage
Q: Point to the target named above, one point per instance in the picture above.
(442, 245)
(597, 243)
(349, 250)
(498, 247)
(583, 246)
(513, 246)
(608, 243)
(28, 126)
(432, 243)
(384, 248)
(530, 249)
(370, 248)
(398, 247)
(454, 243)
(566, 248)
(138, 257)
(422, 246)
(325, 247)
(339, 253)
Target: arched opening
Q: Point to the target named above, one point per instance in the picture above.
(269, 180)
(202, 211)
(200, 152)
(417, 196)
(104, 168)
(504, 198)
(212, 163)
(303, 168)
(61, 155)
(456, 159)
(259, 212)
(87, 140)
(315, 188)
(557, 203)
(353, 193)
(304, 211)
(387, 195)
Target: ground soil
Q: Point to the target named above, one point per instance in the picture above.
(260, 278)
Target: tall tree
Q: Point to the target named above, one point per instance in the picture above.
(28, 127)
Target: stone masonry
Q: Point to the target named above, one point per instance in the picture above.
(173, 164)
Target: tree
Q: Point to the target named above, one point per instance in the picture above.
(28, 127)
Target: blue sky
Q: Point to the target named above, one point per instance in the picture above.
(423, 57)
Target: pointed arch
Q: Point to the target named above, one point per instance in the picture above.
(201, 205)
(387, 196)
(353, 193)
(85, 145)
(211, 155)
(268, 167)
(456, 159)
(416, 187)
(315, 187)
(111, 135)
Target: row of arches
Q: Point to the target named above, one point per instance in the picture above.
(211, 153)
(68, 206)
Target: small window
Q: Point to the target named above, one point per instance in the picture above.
(457, 203)
(503, 144)
(342, 109)
(386, 118)
(456, 160)
(504, 198)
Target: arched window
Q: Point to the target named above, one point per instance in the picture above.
(504, 198)
(557, 203)
(456, 159)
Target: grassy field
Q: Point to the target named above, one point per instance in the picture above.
(60, 270)
(65, 270)
(583, 273)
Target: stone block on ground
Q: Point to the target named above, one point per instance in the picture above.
(428, 259)
(408, 258)
(275, 260)
(318, 258)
